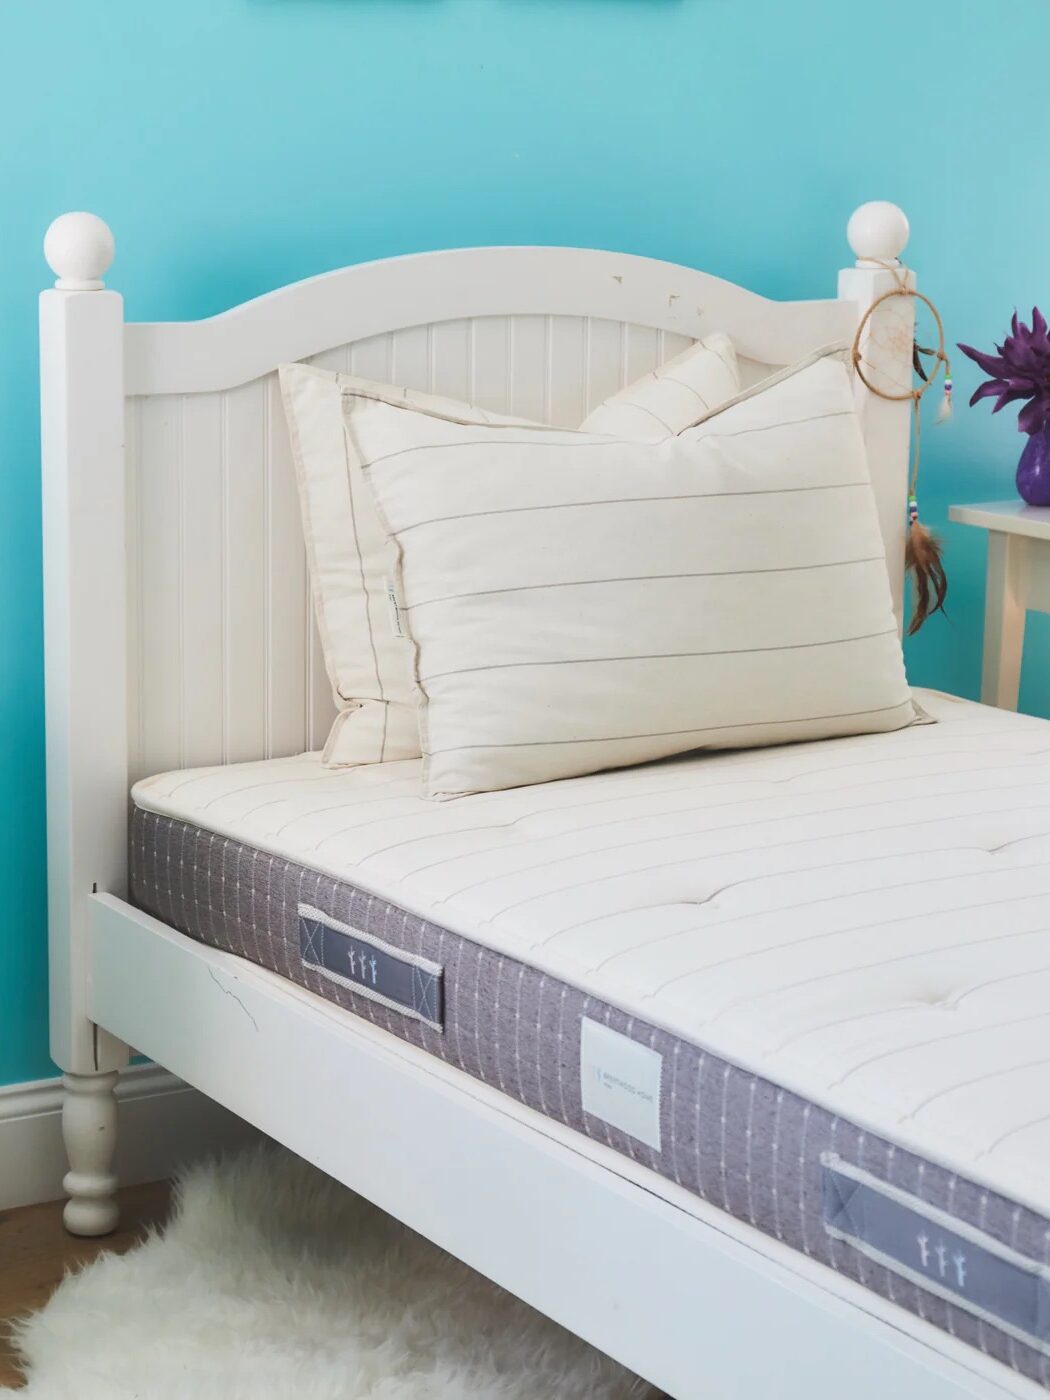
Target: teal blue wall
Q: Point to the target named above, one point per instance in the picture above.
(235, 145)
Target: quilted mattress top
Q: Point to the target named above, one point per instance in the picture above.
(865, 921)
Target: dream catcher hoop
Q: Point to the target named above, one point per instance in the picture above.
(923, 550)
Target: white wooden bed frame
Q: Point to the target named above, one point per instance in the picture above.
(179, 633)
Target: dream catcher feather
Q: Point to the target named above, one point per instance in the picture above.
(923, 550)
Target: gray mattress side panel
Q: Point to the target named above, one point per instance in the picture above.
(736, 1140)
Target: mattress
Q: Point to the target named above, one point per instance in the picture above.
(810, 983)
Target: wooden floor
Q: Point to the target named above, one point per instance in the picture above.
(35, 1253)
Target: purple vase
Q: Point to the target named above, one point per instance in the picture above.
(1033, 470)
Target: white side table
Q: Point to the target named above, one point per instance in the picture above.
(1018, 579)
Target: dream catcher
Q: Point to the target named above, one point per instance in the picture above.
(882, 331)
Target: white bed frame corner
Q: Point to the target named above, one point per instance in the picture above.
(176, 598)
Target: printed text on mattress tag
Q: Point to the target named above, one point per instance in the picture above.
(620, 1082)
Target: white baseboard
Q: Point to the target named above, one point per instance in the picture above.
(163, 1124)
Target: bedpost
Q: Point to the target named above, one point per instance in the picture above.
(878, 235)
(82, 466)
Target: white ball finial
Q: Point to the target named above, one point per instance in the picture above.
(878, 232)
(79, 249)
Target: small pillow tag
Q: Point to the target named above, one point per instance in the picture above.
(395, 610)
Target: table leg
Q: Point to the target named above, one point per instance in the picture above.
(1004, 620)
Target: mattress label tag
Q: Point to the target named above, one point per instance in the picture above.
(395, 611)
(620, 1081)
(941, 1254)
(399, 980)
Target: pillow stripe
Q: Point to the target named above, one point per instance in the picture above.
(641, 408)
(640, 578)
(628, 501)
(655, 655)
(673, 379)
(573, 438)
(783, 423)
(359, 557)
(906, 704)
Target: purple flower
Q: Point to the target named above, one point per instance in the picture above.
(1020, 370)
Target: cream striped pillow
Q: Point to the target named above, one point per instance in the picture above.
(580, 602)
(370, 668)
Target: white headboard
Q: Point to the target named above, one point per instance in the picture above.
(179, 628)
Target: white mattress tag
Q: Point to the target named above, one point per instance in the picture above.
(620, 1082)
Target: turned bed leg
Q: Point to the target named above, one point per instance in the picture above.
(89, 1128)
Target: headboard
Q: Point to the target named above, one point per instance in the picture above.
(179, 629)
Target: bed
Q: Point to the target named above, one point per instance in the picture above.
(716, 1048)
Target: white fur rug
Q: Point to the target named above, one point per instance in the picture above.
(273, 1283)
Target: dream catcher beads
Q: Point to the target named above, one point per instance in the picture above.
(923, 551)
